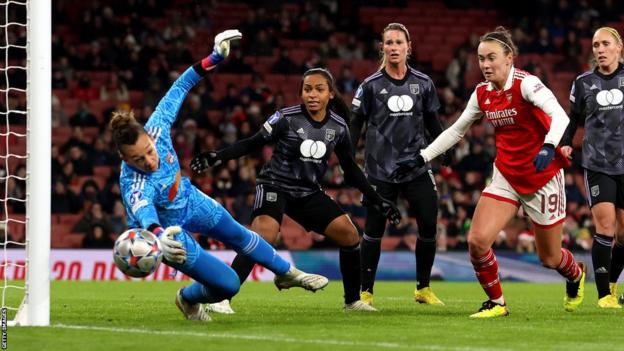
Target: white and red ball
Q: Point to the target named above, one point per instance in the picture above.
(137, 253)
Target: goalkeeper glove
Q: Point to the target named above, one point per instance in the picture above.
(173, 250)
(544, 157)
(203, 161)
(222, 45)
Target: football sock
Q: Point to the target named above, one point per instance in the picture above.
(371, 250)
(350, 269)
(568, 266)
(601, 260)
(486, 270)
(425, 254)
(243, 266)
(248, 243)
(617, 262)
(214, 280)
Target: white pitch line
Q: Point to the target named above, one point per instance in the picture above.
(234, 336)
(388, 345)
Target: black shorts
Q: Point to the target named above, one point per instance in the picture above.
(314, 212)
(421, 194)
(602, 187)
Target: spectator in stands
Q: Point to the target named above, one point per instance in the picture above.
(261, 45)
(187, 142)
(102, 154)
(58, 80)
(64, 200)
(84, 91)
(89, 193)
(98, 237)
(304, 138)
(284, 65)
(230, 99)
(93, 216)
(571, 50)
(398, 105)
(81, 161)
(236, 64)
(118, 219)
(477, 161)
(313, 60)
(592, 96)
(351, 50)
(258, 91)
(456, 71)
(114, 89)
(59, 118)
(83, 116)
(346, 82)
(543, 43)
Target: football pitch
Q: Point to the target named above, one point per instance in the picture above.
(142, 315)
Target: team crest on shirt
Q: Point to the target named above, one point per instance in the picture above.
(414, 89)
(508, 96)
(169, 158)
(330, 134)
(621, 82)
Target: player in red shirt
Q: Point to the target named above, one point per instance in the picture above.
(528, 123)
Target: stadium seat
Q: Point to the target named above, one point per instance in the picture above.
(60, 135)
(72, 240)
(69, 219)
(102, 171)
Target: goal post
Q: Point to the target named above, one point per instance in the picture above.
(39, 141)
(35, 307)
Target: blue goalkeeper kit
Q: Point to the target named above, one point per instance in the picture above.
(167, 198)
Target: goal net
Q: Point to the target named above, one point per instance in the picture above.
(25, 138)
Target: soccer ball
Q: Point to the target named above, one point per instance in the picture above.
(137, 253)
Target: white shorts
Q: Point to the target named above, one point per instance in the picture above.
(546, 207)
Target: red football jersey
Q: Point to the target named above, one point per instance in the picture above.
(520, 129)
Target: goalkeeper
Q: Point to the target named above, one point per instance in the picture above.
(158, 198)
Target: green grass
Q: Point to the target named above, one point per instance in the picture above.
(142, 315)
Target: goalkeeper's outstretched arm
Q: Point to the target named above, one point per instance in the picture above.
(169, 105)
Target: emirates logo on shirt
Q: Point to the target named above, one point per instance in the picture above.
(500, 118)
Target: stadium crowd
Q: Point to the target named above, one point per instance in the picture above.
(127, 52)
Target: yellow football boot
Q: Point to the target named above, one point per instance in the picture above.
(426, 296)
(491, 309)
(366, 297)
(575, 292)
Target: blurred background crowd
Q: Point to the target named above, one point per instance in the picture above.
(113, 54)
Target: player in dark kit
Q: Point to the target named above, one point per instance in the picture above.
(399, 105)
(597, 101)
(304, 136)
